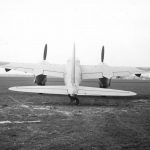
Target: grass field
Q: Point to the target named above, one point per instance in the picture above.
(48, 122)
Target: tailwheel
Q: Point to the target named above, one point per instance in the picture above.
(74, 99)
(77, 101)
(71, 99)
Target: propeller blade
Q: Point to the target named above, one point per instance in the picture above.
(102, 55)
(45, 52)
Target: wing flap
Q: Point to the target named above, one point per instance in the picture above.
(95, 75)
(91, 72)
(53, 73)
(103, 92)
(41, 89)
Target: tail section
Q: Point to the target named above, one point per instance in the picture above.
(73, 65)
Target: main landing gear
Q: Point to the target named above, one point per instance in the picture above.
(74, 99)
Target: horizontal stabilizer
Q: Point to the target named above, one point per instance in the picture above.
(103, 92)
(41, 89)
(82, 90)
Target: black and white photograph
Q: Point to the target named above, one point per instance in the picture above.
(74, 75)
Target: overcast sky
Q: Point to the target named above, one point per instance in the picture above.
(122, 26)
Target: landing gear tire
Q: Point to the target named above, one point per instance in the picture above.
(71, 99)
(74, 100)
(77, 101)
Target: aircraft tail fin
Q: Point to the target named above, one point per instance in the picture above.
(73, 65)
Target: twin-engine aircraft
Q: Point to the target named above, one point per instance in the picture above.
(73, 73)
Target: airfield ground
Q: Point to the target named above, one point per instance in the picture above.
(48, 122)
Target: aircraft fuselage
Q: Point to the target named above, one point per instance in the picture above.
(72, 76)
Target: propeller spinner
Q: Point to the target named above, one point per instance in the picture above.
(45, 52)
(102, 54)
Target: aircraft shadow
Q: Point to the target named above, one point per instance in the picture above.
(62, 100)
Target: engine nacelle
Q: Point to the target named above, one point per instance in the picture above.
(6, 69)
(40, 79)
(104, 82)
(138, 75)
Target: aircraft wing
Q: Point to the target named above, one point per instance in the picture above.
(99, 71)
(41, 89)
(103, 92)
(45, 68)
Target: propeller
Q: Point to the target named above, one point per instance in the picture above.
(45, 52)
(102, 54)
